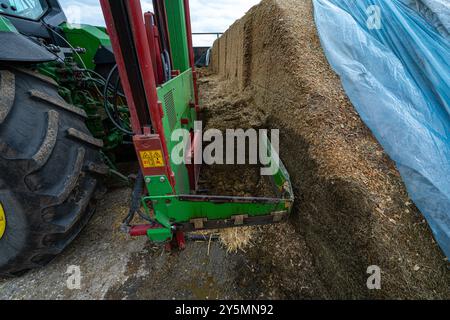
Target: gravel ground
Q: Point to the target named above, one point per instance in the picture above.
(114, 266)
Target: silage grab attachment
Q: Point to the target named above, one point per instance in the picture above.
(159, 106)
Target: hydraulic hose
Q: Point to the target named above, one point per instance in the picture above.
(135, 199)
(106, 102)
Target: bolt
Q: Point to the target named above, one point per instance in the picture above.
(148, 180)
(162, 179)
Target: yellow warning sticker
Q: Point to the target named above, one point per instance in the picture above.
(152, 159)
(2, 221)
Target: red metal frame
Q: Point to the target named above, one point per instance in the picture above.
(181, 240)
(143, 136)
(148, 142)
(193, 169)
(141, 230)
(178, 242)
(110, 25)
(159, 7)
(155, 47)
(145, 59)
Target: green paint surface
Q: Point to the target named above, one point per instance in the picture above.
(6, 25)
(89, 37)
(170, 207)
(175, 96)
(179, 211)
(178, 34)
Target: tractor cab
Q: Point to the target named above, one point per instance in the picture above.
(31, 17)
(30, 9)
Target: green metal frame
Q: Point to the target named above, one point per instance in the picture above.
(171, 209)
(180, 91)
(89, 37)
(178, 35)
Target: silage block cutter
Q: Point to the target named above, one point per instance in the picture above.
(155, 59)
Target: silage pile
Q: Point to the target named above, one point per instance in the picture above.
(352, 210)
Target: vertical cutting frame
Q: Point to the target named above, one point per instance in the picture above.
(158, 108)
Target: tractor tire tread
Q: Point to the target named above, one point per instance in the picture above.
(76, 134)
(7, 93)
(38, 75)
(43, 154)
(43, 170)
(57, 102)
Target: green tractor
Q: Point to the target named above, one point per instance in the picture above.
(74, 100)
(56, 139)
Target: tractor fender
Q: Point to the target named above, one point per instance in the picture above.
(15, 47)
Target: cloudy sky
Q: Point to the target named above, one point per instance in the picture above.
(207, 15)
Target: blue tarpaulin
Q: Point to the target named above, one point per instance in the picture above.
(395, 67)
(437, 12)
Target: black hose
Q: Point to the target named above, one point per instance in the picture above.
(166, 65)
(114, 89)
(135, 199)
(144, 217)
(115, 95)
(94, 73)
(96, 81)
(106, 103)
(67, 42)
(200, 237)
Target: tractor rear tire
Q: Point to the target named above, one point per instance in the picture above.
(48, 178)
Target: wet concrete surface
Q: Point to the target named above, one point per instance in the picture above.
(190, 274)
(115, 266)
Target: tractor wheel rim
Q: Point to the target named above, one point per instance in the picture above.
(2, 221)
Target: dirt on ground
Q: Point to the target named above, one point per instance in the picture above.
(352, 209)
(115, 266)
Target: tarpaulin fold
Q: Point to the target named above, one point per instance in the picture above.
(394, 65)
